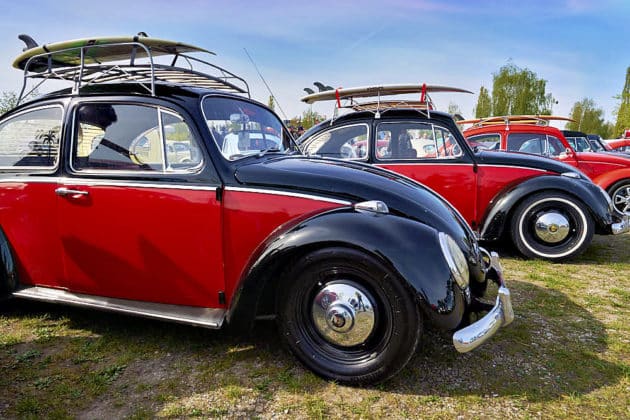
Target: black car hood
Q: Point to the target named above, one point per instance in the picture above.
(358, 182)
(524, 160)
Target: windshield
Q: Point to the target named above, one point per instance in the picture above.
(579, 144)
(241, 128)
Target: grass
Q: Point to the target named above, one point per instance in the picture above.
(567, 354)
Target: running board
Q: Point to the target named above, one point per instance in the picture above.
(192, 315)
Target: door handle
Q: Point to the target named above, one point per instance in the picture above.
(67, 192)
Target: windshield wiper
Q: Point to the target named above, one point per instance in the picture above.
(268, 149)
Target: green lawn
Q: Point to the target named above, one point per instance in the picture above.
(567, 354)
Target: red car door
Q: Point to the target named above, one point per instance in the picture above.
(430, 154)
(133, 223)
(29, 141)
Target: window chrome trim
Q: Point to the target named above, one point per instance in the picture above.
(73, 144)
(422, 159)
(367, 141)
(288, 194)
(107, 183)
(40, 169)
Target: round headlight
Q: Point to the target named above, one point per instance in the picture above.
(456, 259)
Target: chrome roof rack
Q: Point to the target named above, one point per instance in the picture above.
(349, 95)
(540, 120)
(87, 65)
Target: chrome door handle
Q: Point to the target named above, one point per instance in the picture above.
(68, 192)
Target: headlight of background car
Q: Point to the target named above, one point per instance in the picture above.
(456, 259)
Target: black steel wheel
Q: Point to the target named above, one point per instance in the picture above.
(347, 317)
(552, 226)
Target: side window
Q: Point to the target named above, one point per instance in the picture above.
(555, 146)
(349, 142)
(31, 139)
(182, 151)
(526, 143)
(118, 137)
(485, 141)
(406, 140)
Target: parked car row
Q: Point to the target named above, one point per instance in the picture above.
(547, 208)
(167, 192)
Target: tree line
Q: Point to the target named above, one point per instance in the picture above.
(519, 91)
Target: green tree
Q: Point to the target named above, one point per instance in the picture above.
(484, 104)
(8, 101)
(623, 112)
(588, 118)
(308, 119)
(517, 91)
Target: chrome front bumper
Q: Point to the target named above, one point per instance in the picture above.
(621, 227)
(500, 315)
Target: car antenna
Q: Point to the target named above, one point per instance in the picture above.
(275, 100)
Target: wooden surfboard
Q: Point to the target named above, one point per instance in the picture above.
(68, 53)
(372, 91)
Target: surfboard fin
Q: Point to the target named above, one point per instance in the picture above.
(30, 42)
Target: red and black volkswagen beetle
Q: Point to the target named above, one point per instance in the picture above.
(168, 193)
(546, 208)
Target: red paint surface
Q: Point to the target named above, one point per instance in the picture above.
(469, 192)
(175, 246)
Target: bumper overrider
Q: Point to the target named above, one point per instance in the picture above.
(622, 226)
(474, 335)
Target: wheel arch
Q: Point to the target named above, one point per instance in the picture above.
(8, 270)
(497, 217)
(608, 179)
(384, 237)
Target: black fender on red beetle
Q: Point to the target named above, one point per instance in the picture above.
(411, 249)
(496, 218)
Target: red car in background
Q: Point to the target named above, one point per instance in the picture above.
(533, 135)
(620, 145)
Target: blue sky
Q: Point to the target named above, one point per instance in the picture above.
(580, 47)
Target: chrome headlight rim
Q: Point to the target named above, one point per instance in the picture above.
(456, 260)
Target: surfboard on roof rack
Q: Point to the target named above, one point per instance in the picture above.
(515, 119)
(425, 103)
(377, 91)
(115, 59)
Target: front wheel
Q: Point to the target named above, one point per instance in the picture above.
(347, 317)
(620, 195)
(551, 226)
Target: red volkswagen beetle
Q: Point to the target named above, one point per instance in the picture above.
(532, 135)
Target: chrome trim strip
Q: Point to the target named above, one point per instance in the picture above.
(108, 183)
(193, 315)
(288, 194)
(500, 315)
(434, 161)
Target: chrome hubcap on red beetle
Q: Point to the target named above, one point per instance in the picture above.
(344, 313)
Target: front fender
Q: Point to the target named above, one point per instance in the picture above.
(409, 248)
(497, 215)
(607, 179)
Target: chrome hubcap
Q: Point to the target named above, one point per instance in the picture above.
(552, 227)
(621, 199)
(343, 313)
